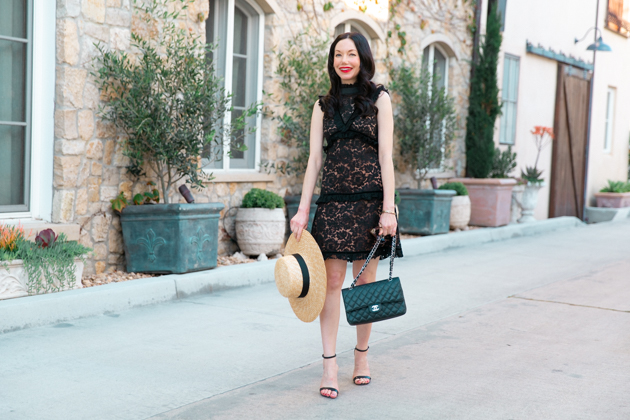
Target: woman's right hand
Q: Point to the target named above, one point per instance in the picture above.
(299, 223)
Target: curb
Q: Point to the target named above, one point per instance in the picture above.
(34, 311)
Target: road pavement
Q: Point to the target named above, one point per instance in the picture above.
(529, 328)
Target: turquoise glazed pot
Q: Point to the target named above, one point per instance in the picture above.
(171, 238)
(424, 212)
(293, 203)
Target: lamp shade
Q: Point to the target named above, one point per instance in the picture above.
(599, 46)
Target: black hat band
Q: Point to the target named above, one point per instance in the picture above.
(306, 279)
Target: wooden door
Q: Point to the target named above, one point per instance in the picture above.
(569, 147)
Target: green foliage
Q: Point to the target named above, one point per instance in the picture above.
(425, 122)
(262, 199)
(458, 187)
(169, 101)
(484, 105)
(49, 269)
(302, 68)
(503, 163)
(532, 175)
(396, 197)
(119, 203)
(616, 187)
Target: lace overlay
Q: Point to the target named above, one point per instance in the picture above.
(351, 198)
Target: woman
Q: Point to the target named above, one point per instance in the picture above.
(357, 193)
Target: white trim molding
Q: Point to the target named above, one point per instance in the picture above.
(443, 41)
(367, 23)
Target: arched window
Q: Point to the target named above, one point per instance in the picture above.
(352, 26)
(437, 56)
(237, 26)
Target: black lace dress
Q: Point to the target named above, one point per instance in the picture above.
(351, 198)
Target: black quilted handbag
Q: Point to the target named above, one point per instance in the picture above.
(376, 301)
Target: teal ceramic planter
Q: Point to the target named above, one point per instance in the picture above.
(171, 238)
(424, 212)
(293, 203)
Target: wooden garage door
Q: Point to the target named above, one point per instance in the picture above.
(569, 148)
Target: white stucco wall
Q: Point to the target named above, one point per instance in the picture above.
(555, 25)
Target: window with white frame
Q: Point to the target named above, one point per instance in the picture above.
(610, 118)
(439, 72)
(15, 92)
(236, 28)
(509, 97)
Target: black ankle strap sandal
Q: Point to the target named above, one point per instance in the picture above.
(329, 388)
(362, 377)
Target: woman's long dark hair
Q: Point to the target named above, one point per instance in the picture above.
(363, 101)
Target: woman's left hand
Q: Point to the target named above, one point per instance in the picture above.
(387, 224)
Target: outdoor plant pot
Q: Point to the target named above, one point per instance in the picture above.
(460, 212)
(13, 282)
(528, 202)
(293, 203)
(171, 238)
(612, 200)
(260, 231)
(424, 212)
(490, 200)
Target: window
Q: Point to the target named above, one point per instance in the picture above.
(610, 119)
(509, 96)
(15, 87)
(439, 70)
(501, 6)
(352, 26)
(236, 26)
(618, 16)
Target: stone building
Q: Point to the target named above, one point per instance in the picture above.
(60, 164)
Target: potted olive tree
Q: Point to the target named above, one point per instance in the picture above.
(168, 101)
(490, 197)
(425, 126)
(260, 223)
(303, 77)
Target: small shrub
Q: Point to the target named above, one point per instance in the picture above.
(503, 163)
(458, 187)
(616, 187)
(396, 197)
(257, 198)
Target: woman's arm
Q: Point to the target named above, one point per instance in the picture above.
(300, 221)
(385, 150)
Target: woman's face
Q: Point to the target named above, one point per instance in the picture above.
(347, 62)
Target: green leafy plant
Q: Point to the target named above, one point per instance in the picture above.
(458, 187)
(49, 263)
(169, 101)
(532, 175)
(616, 187)
(303, 77)
(396, 197)
(425, 122)
(262, 199)
(119, 203)
(503, 163)
(484, 105)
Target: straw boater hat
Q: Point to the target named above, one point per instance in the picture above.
(301, 276)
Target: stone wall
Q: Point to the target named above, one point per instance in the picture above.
(89, 166)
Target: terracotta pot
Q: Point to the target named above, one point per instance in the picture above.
(490, 200)
(613, 200)
(260, 231)
(460, 212)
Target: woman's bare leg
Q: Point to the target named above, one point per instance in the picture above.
(329, 323)
(361, 366)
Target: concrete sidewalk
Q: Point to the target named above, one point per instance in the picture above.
(530, 328)
(33, 311)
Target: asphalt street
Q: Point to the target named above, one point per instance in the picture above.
(529, 328)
